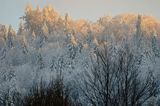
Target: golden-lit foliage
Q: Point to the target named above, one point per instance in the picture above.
(120, 25)
(127, 18)
(73, 40)
(49, 14)
(96, 28)
(149, 24)
(82, 26)
(35, 18)
(125, 24)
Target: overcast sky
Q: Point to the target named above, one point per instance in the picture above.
(11, 10)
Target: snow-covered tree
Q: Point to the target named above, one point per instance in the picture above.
(71, 45)
(139, 35)
(155, 46)
(21, 29)
(7, 86)
(40, 62)
(24, 45)
(4, 31)
(10, 37)
(117, 82)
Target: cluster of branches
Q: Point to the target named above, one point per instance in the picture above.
(112, 81)
(119, 81)
(42, 94)
(54, 94)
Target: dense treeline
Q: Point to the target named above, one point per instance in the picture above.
(53, 60)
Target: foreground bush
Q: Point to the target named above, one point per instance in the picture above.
(41, 94)
(54, 94)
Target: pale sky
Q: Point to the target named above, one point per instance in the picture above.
(11, 10)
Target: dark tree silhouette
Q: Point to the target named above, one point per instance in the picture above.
(118, 82)
(53, 94)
